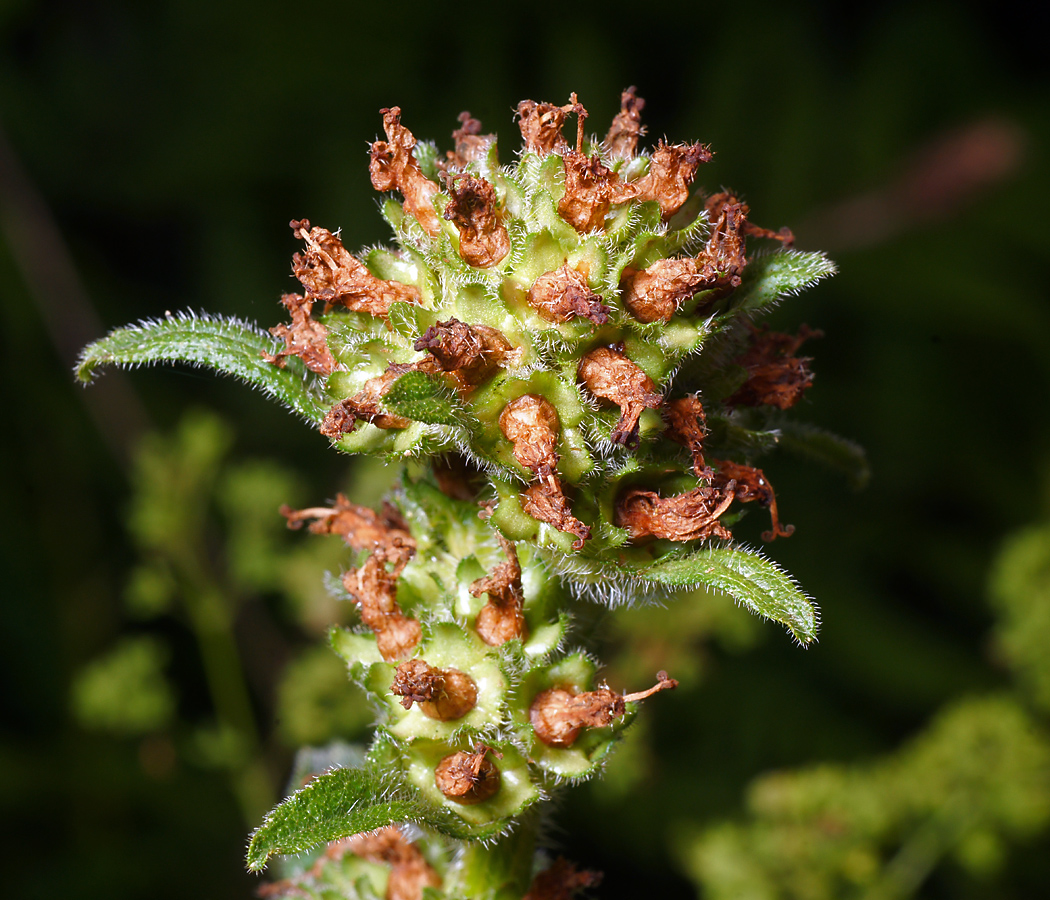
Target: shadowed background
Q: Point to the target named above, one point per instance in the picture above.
(150, 159)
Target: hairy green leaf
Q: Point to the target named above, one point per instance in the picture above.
(335, 805)
(229, 346)
(760, 585)
(418, 396)
(768, 279)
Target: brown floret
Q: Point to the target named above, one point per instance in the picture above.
(541, 125)
(374, 588)
(723, 259)
(469, 777)
(471, 353)
(442, 694)
(469, 143)
(750, 484)
(687, 425)
(501, 619)
(362, 528)
(410, 873)
(775, 376)
(483, 238)
(393, 167)
(626, 128)
(654, 294)
(692, 516)
(305, 337)
(716, 202)
(545, 500)
(365, 406)
(562, 881)
(672, 168)
(558, 715)
(563, 294)
(590, 189)
(531, 424)
(332, 276)
(609, 374)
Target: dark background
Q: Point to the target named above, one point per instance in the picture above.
(151, 157)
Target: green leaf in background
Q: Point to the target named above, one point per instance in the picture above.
(827, 449)
(1020, 589)
(333, 806)
(125, 692)
(768, 279)
(760, 585)
(229, 346)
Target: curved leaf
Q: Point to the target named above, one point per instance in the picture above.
(753, 581)
(333, 806)
(767, 279)
(230, 346)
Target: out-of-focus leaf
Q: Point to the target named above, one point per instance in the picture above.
(827, 449)
(125, 692)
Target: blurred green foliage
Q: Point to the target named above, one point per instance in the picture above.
(170, 143)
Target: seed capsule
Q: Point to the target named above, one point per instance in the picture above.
(468, 778)
(442, 694)
(558, 715)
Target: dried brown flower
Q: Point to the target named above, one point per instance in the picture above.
(364, 406)
(687, 425)
(654, 294)
(469, 143)
(374, 588)
(393, 167)
(722, 260)
(545, 500)
(468, 777)
(331, 275)
(562, 881)
(483, 238)
(541, 125)
(776, 377)
(558, 715)
(531, 424)
(409, 870)
(672, 168)
(563, 294)
(609, 374)
(305, 337)
(626, 128)
(692, 516)
(471, 353)
(590, 189)
(362, 528)
(501, 619)
(442, 694)
(751, 484)
(716, 202)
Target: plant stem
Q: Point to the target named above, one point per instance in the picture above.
(499, 871)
